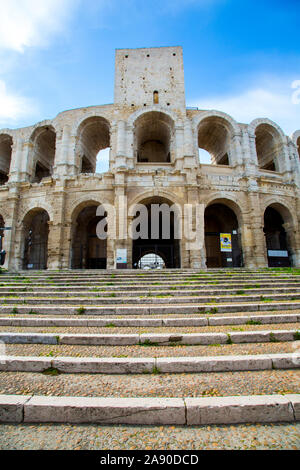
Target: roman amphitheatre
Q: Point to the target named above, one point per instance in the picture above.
(72, 303)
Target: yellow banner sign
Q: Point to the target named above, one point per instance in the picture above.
(226, 243)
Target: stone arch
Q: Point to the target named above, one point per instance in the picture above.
(256, 122)
(37, 205)
(93, 135)
(6, 144)
(280, 229)
(166, 242)
(34, 239)
(296, 140)
(82, 203)
(215, 131)
(88, 251)
(269, 141)
(163, 193)
(43, 145)
(154, 133)
(229, 201)
(231, 123)
(282, 207)
(223, 216)
(155, 108)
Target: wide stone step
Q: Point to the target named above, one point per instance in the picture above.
(144, 278)
(151, 338)
(150, 299)
(150, 322)
(199, 293)
(156, 287)
(158, 411)
(162, 365)
(83, 310)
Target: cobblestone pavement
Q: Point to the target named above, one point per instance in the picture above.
(156, 385)
(93, 437)
(150, 351)
(141, 330)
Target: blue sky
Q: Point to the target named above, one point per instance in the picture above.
(240, 57)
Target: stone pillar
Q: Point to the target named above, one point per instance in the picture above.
(249, 152)
(253, 238)
(293, 243)
(66, 254)
(188, 154)
(65, 154)
(130, 151)
(121, 145)
(56, 226)
(195, 253)
(121, 213)
(237, 151)
(26, 161)
(180, 147)
(54, 246)
(16, 160)
(9, 242)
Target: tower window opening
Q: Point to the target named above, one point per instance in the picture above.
(155, 97)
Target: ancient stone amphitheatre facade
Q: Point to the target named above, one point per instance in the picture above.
(50, 189)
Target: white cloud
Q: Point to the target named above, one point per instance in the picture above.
(102, 165)
(274, 102)
(13, 107)
(27, 23)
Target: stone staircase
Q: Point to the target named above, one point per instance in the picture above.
(178, 347)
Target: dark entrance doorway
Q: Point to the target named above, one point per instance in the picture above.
(36, 231)
(276, 239)
(88, 251)
(220, 219)
(167, 248)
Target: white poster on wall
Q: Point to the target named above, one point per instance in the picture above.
(121, 255)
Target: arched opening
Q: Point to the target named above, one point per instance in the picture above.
(93, 145)
(298, 145)
(277, 242)
(35, 233)
(151, 261)
(153, 138)
(158, 236)
(214, 137)
(6, 143)
(268, 145)
(222, 237)
(88, 251)
(44, 143)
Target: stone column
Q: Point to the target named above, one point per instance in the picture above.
(121, 213)
(130, 151)
(54, 246)
(237, 153)
(26, 161)
(120, 161)
(66, 246)
(56, 227)
(16, 160)
(195, 253)
(9, 241)
(64, 154)
(293, 243)
(253, 238)
(249, 151)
